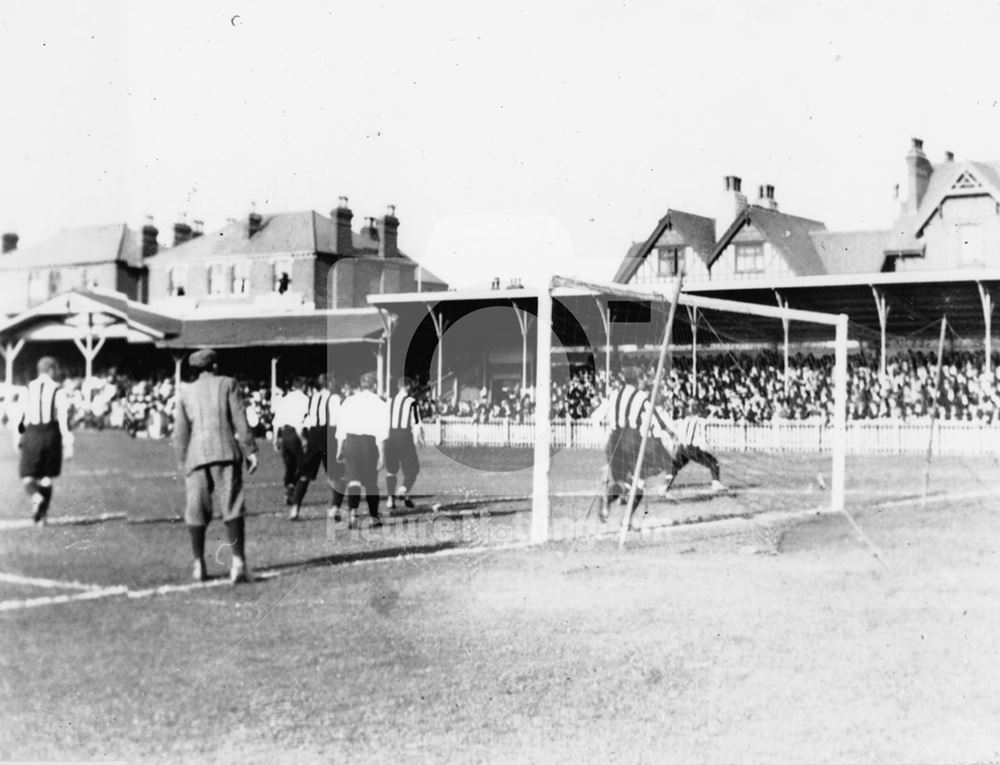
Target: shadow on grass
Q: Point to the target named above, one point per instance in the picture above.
(347, 558)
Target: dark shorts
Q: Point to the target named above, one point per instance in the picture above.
(401, 454)
(41, 451)
(316, 452)
(361, 461)
(622, 451)
(217, 487)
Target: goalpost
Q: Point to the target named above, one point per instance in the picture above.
(704, 312)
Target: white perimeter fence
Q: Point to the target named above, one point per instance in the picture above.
(863, 436)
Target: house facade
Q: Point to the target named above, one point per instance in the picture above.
(949, 219)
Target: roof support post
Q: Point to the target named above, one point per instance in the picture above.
(604, 310)
(389, 326)
(10, 351)
(274, 377)
(693, 317)
(438, 321)
(882, 307)
(524, 320)
(986, 298)
(89, 346)
(785, 326)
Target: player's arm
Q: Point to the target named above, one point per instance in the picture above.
(600, 414)
(62, 417)
(238, 417)
(182, 432)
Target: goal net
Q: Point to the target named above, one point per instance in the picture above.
(748, 410)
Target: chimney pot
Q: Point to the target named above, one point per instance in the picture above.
(949, 156)
(918, 144)
(737, 183)
(762, 191)
(10, 240)
(149, 234)
(388, 240)
(390, 210)
(919, 171)
(182, 232)
(255, 221)
(199, 229)
(342, 203)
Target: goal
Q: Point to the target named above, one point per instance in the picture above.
(760, 389)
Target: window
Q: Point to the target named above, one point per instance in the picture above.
(55, 278)
(38, 286)
(971, 251)
(217, 279)
(749, 258)
(668, 262)
(282, 276)
(241, 278)
(178, 281)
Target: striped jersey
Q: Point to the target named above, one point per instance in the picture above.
(323, 408)
(403, 413)
(628, 406)
(40, 403)
(692, 431)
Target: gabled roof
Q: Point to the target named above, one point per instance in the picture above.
(851, 252)
(696, 231)
(63, 309)
(110, 243)
(951, 179)
(790, 234)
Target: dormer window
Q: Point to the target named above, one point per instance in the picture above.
(749, 259)
(668, 261)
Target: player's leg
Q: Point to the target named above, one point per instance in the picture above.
(335, 477)
(410, 464)
(353, 470)
(701, 457)
(229, 498)
(197, 513)
(370, 480)
(308, 470)
(392, 465)
(612, 472)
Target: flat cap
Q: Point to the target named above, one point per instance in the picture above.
(202, 359)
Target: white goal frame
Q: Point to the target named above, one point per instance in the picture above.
(563, 286)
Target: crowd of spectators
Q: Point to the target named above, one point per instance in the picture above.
(738, 387)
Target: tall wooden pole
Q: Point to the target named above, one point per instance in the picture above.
(647, 421)
(934, 409)
(543, 426)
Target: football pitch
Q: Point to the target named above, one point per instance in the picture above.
(747, 625)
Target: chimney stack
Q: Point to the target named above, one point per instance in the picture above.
(255, 222)
(733, 202)
(199, 229)
(342, 217)
(149, 233)
(10, 242)
(766, 199)
(919, 171)
(182, 232)
(387, 244)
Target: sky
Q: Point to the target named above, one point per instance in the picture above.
(515, 139)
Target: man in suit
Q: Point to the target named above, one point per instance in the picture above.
(212, 439)
(45, 434)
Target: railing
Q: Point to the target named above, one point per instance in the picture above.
(863, 436)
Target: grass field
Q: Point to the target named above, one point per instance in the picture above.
(768, 635)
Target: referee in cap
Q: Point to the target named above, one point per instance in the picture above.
(212, 439)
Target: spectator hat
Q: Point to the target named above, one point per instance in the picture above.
(202, 359)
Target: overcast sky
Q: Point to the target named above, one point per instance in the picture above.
(514, 138)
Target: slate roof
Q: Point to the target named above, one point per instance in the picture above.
(851, 252)
(788, 233)
(85, 245)
(697, 231)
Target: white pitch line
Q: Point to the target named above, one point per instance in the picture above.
(55, 584)
(263, 575)
(63, 520)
